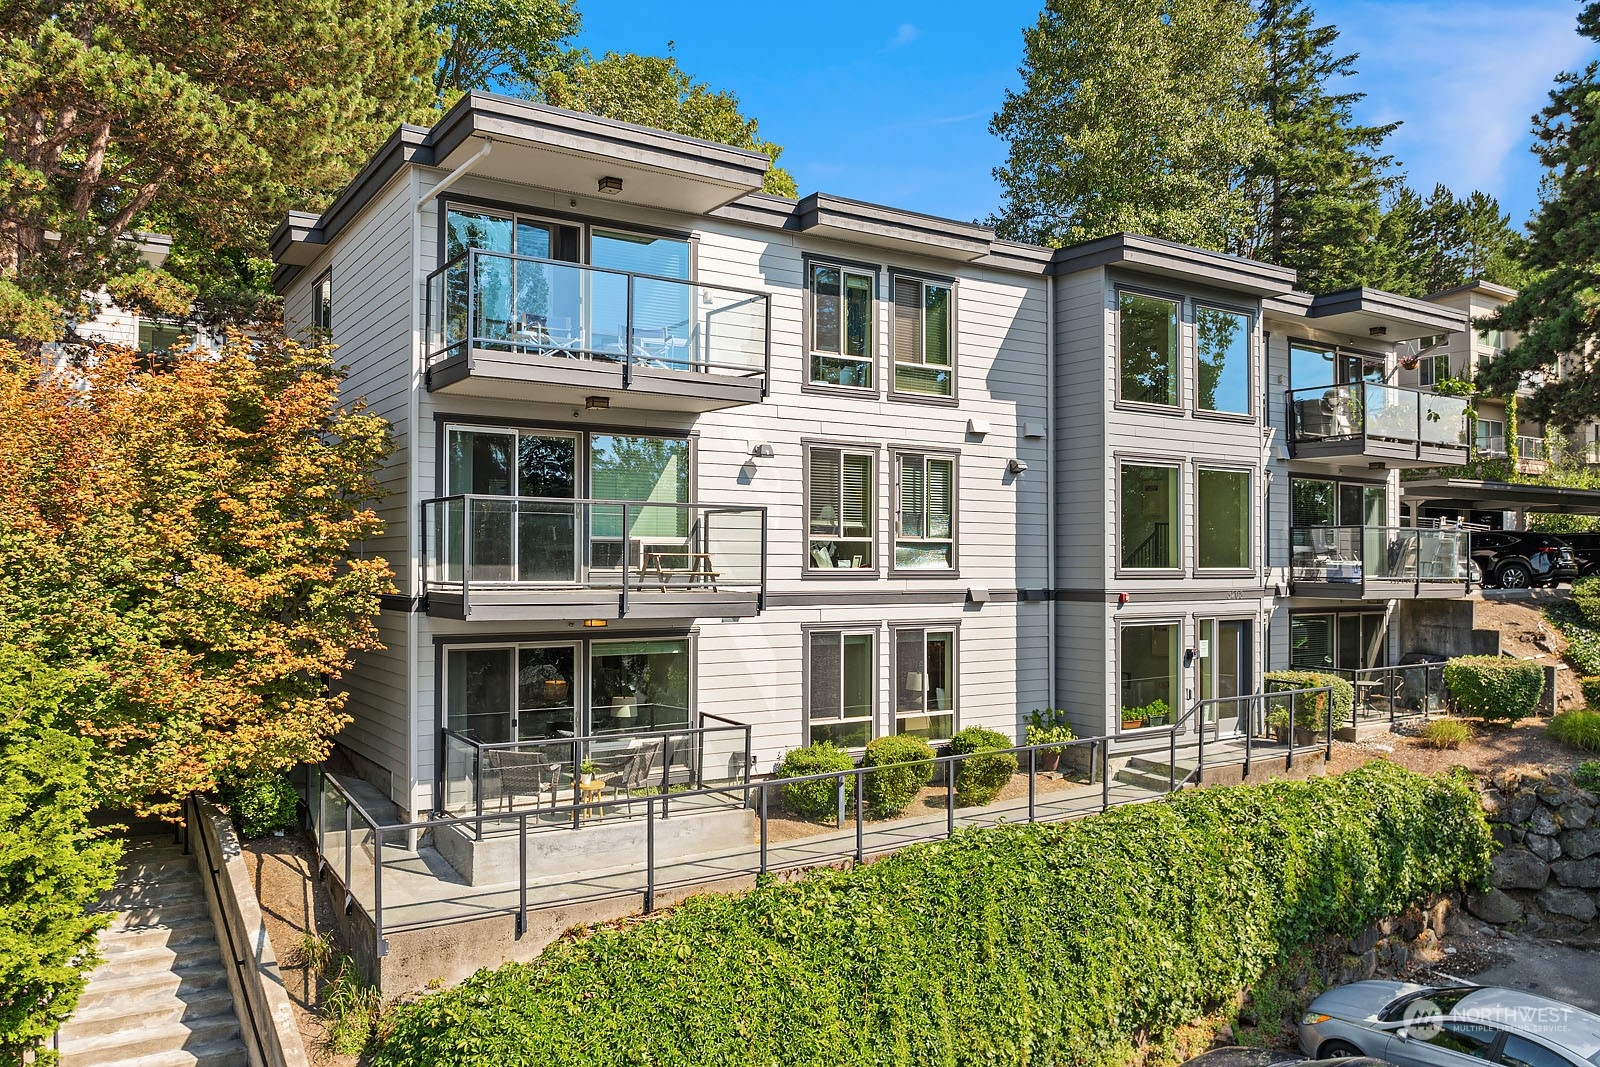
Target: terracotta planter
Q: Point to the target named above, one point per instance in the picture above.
(1132, 724)
(1048, 760)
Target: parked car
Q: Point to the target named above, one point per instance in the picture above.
(1516, 559)
(1449, 1026)
(1586, 546)
(1239, 1056)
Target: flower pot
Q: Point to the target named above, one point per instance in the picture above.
(1049, 759)
(585, 779)
(1132, 724)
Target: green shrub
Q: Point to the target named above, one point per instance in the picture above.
(1155, 713)
(1071, 940)
(1045, 727)
(816, 800)
(261, 805)
(52, 864)
(1311, 709)
(1587, 776)
(902, 766)
(1444, 733)
(1583, 636)
(1580, 729)
(980, 778)
(1586, 598)
(1494, 687)
(1591, 691)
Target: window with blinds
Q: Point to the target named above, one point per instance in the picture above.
(322, 304)
(924, 356)
(1311, 641)
(925, 520)
(839, 503)
(841, 326)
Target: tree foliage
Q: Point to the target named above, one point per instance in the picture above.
(1315, 193)
(1428, 244)
(655, 91)
(509, 45)
(203, 119)
(52, 865)
(1557, 312)
(1135, 115)
(184, 529)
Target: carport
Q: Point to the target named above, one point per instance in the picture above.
(1463, 495)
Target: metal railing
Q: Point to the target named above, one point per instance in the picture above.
(635, 762)
(1377, 411)
(508, 542)
(1531, 449)
(1491, 446)
(484, 300)
(345, 830)
(1354, 554)
(1395, 694)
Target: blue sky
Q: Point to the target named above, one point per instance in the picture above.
(890, 103)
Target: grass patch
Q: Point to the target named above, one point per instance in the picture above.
(1580, 729)
(353, 1012)
(1444, 733)
(1587, 775)
(312, 951)
(1583, 638)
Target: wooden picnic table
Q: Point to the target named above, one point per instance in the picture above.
(697, 569)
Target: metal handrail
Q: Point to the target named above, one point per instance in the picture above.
(1379, 677)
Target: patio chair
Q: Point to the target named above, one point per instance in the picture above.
(638, 772)
(524, 774)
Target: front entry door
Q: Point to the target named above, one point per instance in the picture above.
(1225, 674)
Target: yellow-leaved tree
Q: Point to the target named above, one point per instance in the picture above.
(187, 526)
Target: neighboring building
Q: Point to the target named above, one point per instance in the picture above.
(671, 451)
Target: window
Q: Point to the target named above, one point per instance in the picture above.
(1491, 437)
(925, 683)
(841, 326)
(652, 470)
(158, 336)
(1147, 659)
(1223, 517)
(322, 303)
(1148, 349)
(1348, 640)
(1520, 1052)
(925, 523)
(1466, 1038)
(1149, 511)
(638, 685)
(1222, 347)
(1431, 370)
(924, 357)
(841, 669)
(840, 501)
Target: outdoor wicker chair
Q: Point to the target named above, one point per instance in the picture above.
(524, 774)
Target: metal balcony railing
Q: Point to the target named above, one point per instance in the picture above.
(1357, 554)
(525, 306)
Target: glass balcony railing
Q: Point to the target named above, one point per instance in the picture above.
(1531, 449)
(1352, 555)
(1375, 411)
(499, 542)
(523, 306)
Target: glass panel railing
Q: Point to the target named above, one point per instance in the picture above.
(538, 307)
(1530, 449)
(1375, 410)
(1389, 411)
(460, 775)
(1351, 554)
(1444, 420)
(485, 540)
(1325, 412)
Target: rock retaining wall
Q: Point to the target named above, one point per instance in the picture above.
(1547, 873)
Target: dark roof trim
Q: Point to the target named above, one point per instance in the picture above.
(1473, 494)
(1137, 252)
(1499, 292)
(1293, 304)
(821, 211)
(1408, 309)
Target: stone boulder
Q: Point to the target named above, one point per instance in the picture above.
(1574, 903)
(1578, 874)
(1517, 868)
(1495, 907)
(1546, 848)
(1580, 844)
(1543, 821)
(1577, 815)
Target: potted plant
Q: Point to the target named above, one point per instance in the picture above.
(586, 771)
(1132, 718)
(1045, 727)
(1278, 723)
(1156, 713)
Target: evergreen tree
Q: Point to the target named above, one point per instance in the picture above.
(1134, 115)
(1426, 245)
(1557, 312)
(506, 45)
(1316, 192)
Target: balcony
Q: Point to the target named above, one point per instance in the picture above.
(1533, 456)
(537, 559)
(1377, 562)
(519, 328)
(1383, 424)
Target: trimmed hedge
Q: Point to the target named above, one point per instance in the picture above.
(261, 805)
(816, 800)
(1591, 691)
(903, 766)
(1311, 710)
(1495, 687)
(1580, 729)
(980, 778)
(1045, 943)
(1583, 636)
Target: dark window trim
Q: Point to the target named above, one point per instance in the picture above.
(1181, 621)
(1178, 523)
(1336, 480)
(443, 424)
(1118, 288)
(954, 628)
(954, 455)
(1329, 346)
(322, 315)
(1250, 500)
(580, 220)
(807, 261)
(807, 570)
(954, 285)
(806, 632)
(1253, 358)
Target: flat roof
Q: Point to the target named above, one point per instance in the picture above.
(1361, 309)
(1475, 495)
(1171, 259)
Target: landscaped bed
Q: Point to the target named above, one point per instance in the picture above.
(1051, 943)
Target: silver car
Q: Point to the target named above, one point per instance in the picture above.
(1449, 1026)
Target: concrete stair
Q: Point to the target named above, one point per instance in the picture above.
(160, 996)
(1152, 775)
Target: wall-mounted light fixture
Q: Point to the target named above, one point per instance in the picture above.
(977, 427)
(760, 450)
(1015, 466)
(597, 403)
(610, 185)
(593, 623)
(1378, 331)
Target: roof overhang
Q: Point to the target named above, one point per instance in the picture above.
(1385, 316)
(1168, 259)
(1470, 494)
(822, 215)
(1488, 289)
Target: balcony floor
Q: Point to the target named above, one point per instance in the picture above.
(546, 604)
(509, 375)
(1394, 455)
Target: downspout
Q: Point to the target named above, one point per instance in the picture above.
(1050, 487)
(454, 176)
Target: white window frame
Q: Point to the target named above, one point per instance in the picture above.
(322, 302)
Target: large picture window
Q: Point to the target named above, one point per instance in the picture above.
(1148, 349)
(841, 673)
(841, 326)
(925, 522)
(1147, 665)
(924, 357)
(925, 682)
(1149, 514)
(840, 499)
(1222, 351)
(1222, 510)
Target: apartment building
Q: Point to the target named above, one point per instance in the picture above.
(673, 453)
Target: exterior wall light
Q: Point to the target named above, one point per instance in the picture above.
(761, 450)
(1015, 466)
(611, 186)
(594, 623)
(597, 403)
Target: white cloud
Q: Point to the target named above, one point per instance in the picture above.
(1465, 78)
(904, 35)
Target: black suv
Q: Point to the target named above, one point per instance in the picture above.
(1586, 546)
(1515, 559)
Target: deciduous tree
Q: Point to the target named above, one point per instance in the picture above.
(187, 530)
(507, 45)
(1134, 115)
